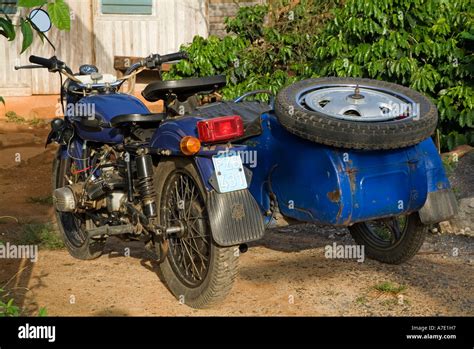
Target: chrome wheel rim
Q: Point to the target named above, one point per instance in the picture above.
(359, 103)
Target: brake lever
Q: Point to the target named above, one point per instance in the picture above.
(30, 66)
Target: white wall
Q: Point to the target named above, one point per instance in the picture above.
(97, 38)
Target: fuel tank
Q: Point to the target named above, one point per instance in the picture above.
(104, 108)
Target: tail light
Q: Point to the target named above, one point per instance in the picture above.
(220, 129)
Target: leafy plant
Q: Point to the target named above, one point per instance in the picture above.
(423, 44)
(8, 309)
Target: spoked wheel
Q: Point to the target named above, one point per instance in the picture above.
(390, 240)
(189, 250)
(356, 113)
(73, 226)
(196, 270)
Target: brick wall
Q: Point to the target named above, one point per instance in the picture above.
(220, 9)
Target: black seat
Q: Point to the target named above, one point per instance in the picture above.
(249, 111)
(127, 118)
(183, 88)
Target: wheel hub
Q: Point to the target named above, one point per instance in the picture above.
(358, 103)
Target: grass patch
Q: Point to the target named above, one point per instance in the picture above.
(42, 200)
(41, 234)
(389, 287)
(20, 120)
(14, 117)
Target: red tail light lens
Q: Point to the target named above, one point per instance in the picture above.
(220, 129)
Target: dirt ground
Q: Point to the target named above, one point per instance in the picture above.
(286, 273)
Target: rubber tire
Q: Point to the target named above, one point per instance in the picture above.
(324, 129)
(404, 250)
(223, 267)
(91, 249)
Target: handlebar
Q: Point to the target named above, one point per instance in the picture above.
(173, 57)
(155, 60)
(151, 62)
(45, 62)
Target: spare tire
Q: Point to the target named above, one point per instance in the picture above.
(356, 113)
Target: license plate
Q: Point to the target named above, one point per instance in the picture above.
(229, 172)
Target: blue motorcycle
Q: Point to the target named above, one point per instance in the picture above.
(197, 182)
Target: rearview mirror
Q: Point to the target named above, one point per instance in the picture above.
(40, 20)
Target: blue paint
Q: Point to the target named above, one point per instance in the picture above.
(318, 183)
(106, 107)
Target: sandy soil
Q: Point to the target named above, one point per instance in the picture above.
(286, 273)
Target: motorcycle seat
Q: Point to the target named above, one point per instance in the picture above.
(182, 88)
(249, 111)
(138, 118)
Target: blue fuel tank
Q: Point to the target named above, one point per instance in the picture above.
(104, 107)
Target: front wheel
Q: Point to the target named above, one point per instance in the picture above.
(198, 272)
(73, 226)
(390, 240)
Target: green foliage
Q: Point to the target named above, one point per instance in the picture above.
(27, 35)
(8, 309)
(389, 287)
(7, 29)
(13, 117)
(42, 312)
(423, 44)
(40, 234)
(59, 13)
(258, 56)
(31, 3)
(248, 23)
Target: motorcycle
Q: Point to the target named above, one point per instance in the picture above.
(196, 183)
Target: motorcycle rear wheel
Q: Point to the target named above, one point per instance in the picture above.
(196, 270)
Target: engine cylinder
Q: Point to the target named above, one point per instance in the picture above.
(64, 200)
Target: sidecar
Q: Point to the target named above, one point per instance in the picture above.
(381, 176)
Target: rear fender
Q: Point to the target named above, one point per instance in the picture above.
(440, 204)
(235, 217)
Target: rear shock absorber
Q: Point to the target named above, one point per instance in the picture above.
(145, 184)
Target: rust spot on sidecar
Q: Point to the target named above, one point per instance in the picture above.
(334, 196)
(352, 179)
